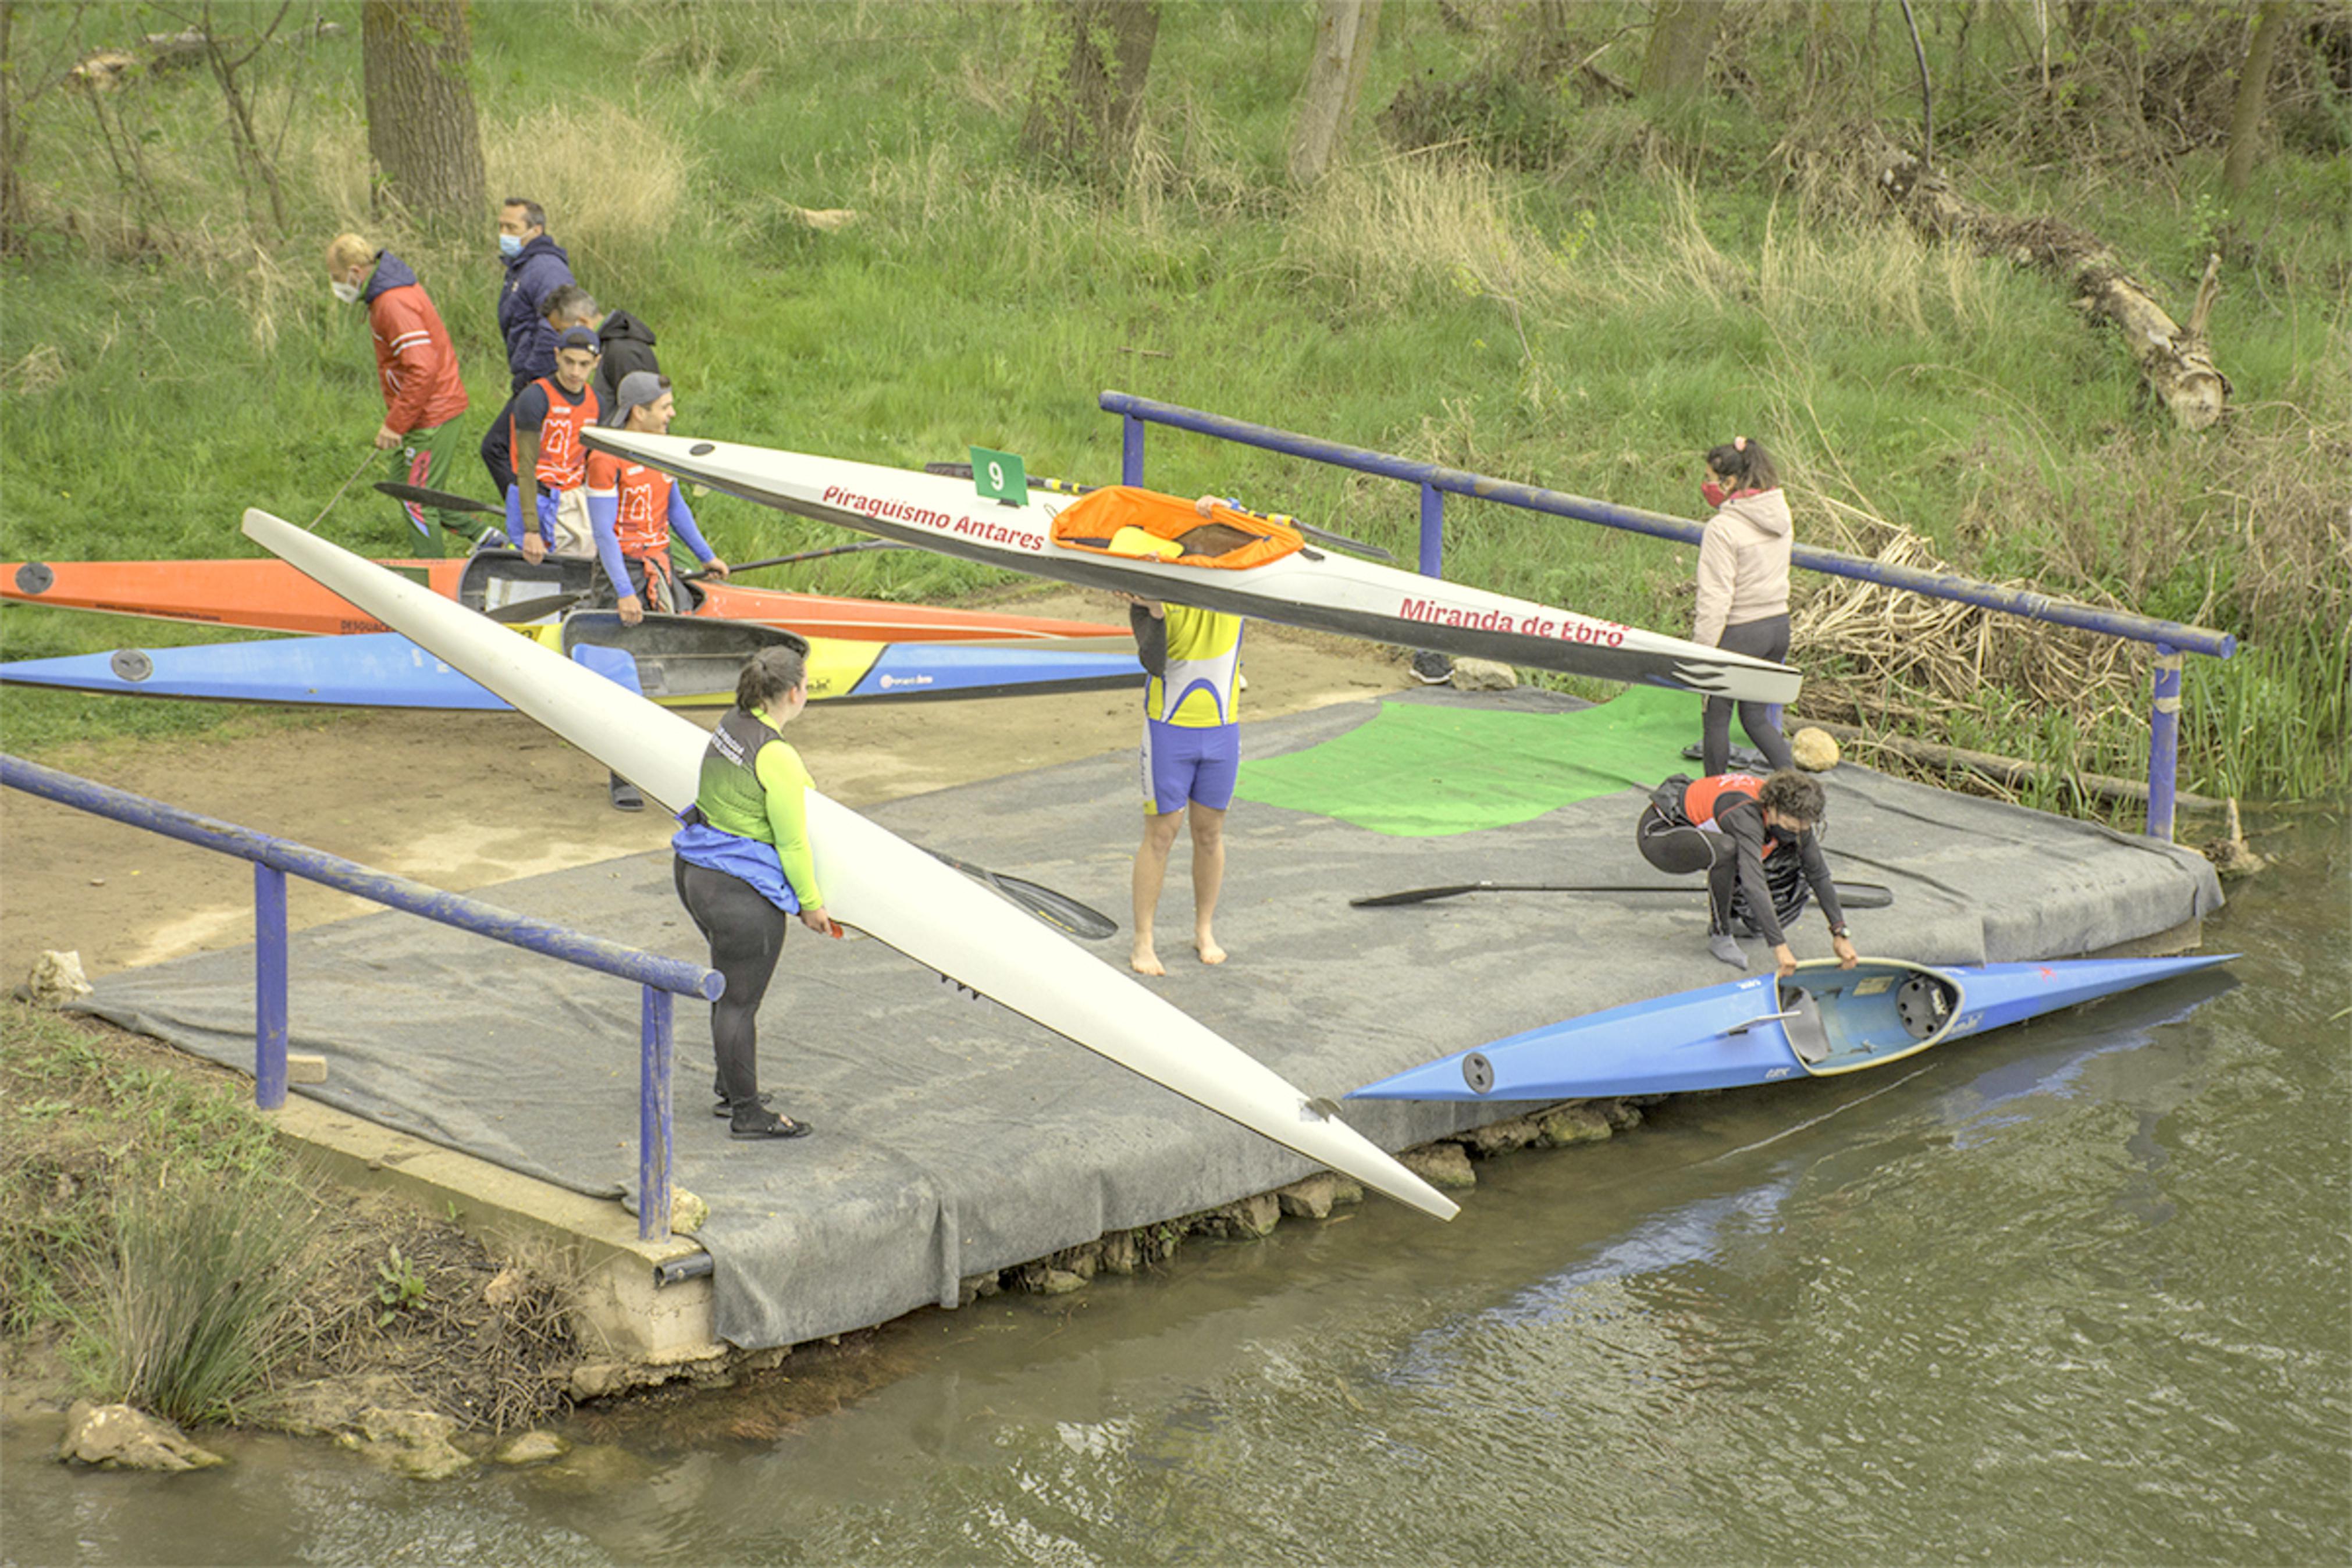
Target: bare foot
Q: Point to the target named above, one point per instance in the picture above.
(1209, 950)
(1144, 961)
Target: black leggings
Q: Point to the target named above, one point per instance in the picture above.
(746, 934)
(1766, 639)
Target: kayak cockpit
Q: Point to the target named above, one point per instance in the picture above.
(1838, 1020)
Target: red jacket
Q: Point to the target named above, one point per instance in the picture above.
(414, 357)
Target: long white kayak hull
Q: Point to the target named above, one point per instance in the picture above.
(1315, 589)
(873, 879)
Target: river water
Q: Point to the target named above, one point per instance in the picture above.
(2074, 1292)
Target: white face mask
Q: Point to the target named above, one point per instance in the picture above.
(349, 293)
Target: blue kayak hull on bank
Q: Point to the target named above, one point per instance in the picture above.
(1822, 1022)
(385, 670)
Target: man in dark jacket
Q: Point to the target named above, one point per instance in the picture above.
(628, 348)
(536, 266)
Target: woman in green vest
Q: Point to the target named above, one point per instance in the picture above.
(745, 866)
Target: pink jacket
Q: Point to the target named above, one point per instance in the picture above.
(1743, 564)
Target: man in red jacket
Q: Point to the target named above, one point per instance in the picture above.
(418, 367)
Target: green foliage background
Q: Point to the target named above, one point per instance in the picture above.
(1520, 272)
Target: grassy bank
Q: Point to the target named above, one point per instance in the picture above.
(158, 1246)
(1513, 277)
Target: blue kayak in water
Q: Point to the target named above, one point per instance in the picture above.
(682, 661)
(1818, 1023)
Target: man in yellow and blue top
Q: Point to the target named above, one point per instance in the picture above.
(1191, 757)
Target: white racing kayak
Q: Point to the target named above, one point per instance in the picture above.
(1239, 562)
(873, 879)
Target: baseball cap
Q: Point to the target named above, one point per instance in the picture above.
(636, 389)
(580, 337)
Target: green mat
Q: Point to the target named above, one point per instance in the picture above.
(1417, 770)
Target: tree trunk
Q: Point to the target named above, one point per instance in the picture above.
(1088, 94)
(2254, 98)
(1681, 37)
(13, 222)
(1335, 75)
(2177, 362)
(422, 132)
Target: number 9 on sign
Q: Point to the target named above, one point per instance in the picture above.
(1000, 476)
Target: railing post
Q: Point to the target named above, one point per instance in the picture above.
(1130, 449)
(269, 986)
(654, 1120)
(2164, 742)
(1432, 531)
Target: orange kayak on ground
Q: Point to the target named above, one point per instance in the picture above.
(270, 596)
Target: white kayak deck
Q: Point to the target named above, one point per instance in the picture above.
(955, 1138)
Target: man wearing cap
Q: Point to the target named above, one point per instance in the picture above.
(548, 417)
(569, 306)
(416, 368)
(632, 508)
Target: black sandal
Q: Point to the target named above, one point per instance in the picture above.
(775, 1127)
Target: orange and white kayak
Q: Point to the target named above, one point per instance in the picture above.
(270, 596)
(1157, 546)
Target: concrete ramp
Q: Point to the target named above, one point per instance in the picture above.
(954, 1138)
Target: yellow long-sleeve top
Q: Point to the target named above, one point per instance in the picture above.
(755, 785)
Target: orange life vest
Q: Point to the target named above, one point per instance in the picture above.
(1124, 520)
(1701, 798)
(641, 519)
(563, 461)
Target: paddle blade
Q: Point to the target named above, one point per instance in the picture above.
(1413, 895)
(440, 500)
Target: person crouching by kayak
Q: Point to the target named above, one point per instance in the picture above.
(1191, 757)
(1743, 590)
(1755, 839)
(744, 865)
(632, 510)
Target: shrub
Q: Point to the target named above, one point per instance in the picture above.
(201, 1280)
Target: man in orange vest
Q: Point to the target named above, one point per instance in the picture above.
(1755, 839)
(416, 368)
(632, 510)
(549, 415)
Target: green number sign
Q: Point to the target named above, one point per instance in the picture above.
(999, 476)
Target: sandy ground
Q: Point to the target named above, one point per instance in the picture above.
(462, 800)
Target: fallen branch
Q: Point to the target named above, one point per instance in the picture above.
(2009, 770)
(2177, 361)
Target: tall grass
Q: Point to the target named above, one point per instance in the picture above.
(1590, 322)
(196, 1294)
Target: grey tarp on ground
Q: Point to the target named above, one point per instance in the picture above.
(954, 1137)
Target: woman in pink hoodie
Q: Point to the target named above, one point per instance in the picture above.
(1743, 590)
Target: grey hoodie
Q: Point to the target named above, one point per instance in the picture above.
(1743, 564)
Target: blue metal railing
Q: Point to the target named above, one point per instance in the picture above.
(274, 858)
(2171, 638)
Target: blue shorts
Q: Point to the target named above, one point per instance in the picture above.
(1185, 762)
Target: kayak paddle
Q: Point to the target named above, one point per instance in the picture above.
(439, 500)
(804, 555)
(1851, 894)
